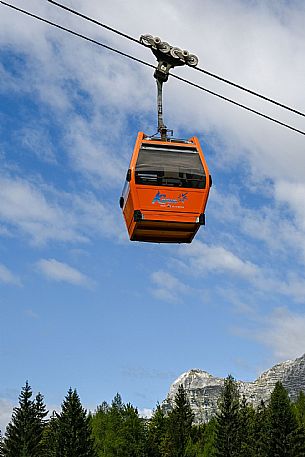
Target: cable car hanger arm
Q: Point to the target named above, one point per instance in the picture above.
(168, 57)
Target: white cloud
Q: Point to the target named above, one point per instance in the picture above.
(267, 223)
(257, 39)
(59, 69)
(61, 272)
(204, 258)
(167, 287)
(146, 413)
(36, 140)
(43, 213)
(284, 333)
(293, 286)
(7, 277)
(293, 195)
(94, 155)
(24, 206)
(6, 409)
(255, 42)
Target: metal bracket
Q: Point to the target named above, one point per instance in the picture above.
(168, 57)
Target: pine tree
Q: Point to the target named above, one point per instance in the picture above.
(261, 430)
(298, 437)
(107, 424)
(227, 442)
(210, 436)
(41, 410)
(114, 440)
(156, 432)
(297, 442)
(70, 430)
(23, 437)
(132, 433)
(100, 427)
(196, 443)
(51, 437)
(246, 440)
(179, 426)
(299, 408)
(118, 430)
(282, 423)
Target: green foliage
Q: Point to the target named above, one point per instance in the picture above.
(156, 432)
(51, 437)
(299, 409)
(23, 437)
(196, 442)
(179, 426)
(282, 423)
(118, 430)
(297, 442)
(228, 421)
(210, 436)
(246, 430)
(69, 433)
(260, 430)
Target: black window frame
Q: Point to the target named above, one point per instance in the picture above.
(183, 176)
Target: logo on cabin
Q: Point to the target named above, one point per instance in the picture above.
(163, 200)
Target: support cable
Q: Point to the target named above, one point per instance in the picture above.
(94, 21)
(72, 32)
(151, 66)
(202, 70)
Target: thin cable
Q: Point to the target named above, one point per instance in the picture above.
(239, 104)
(91, 40)
(202, 70)
(252, 92)
(151, 66)
(90, 19)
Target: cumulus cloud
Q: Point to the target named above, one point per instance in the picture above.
(259, 27)
(59, 71)
(206, 258)
(61, 272)
(43, 213)
(167, 287)
(146, 413)
(36, 140)
(293, 195)
(6, 409)
(272, 223)
(7, 277)
(23, 206)
(284, 333)
(94, 95)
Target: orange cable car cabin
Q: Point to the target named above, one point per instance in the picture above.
(166, 190)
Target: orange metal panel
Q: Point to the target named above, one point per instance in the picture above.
(170, 214)
(171, 199)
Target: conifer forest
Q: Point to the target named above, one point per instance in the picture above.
(276, 429)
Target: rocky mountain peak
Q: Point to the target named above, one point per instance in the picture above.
(203, 389)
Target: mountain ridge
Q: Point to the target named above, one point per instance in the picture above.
(203, 389)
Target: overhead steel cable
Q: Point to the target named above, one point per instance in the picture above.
(94, 21)
(202, 70)
(252, 92)
(91, 40)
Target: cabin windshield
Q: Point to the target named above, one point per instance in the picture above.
(170, 166)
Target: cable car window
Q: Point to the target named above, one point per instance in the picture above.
(170, 166)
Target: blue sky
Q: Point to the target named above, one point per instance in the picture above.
(82, 306)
